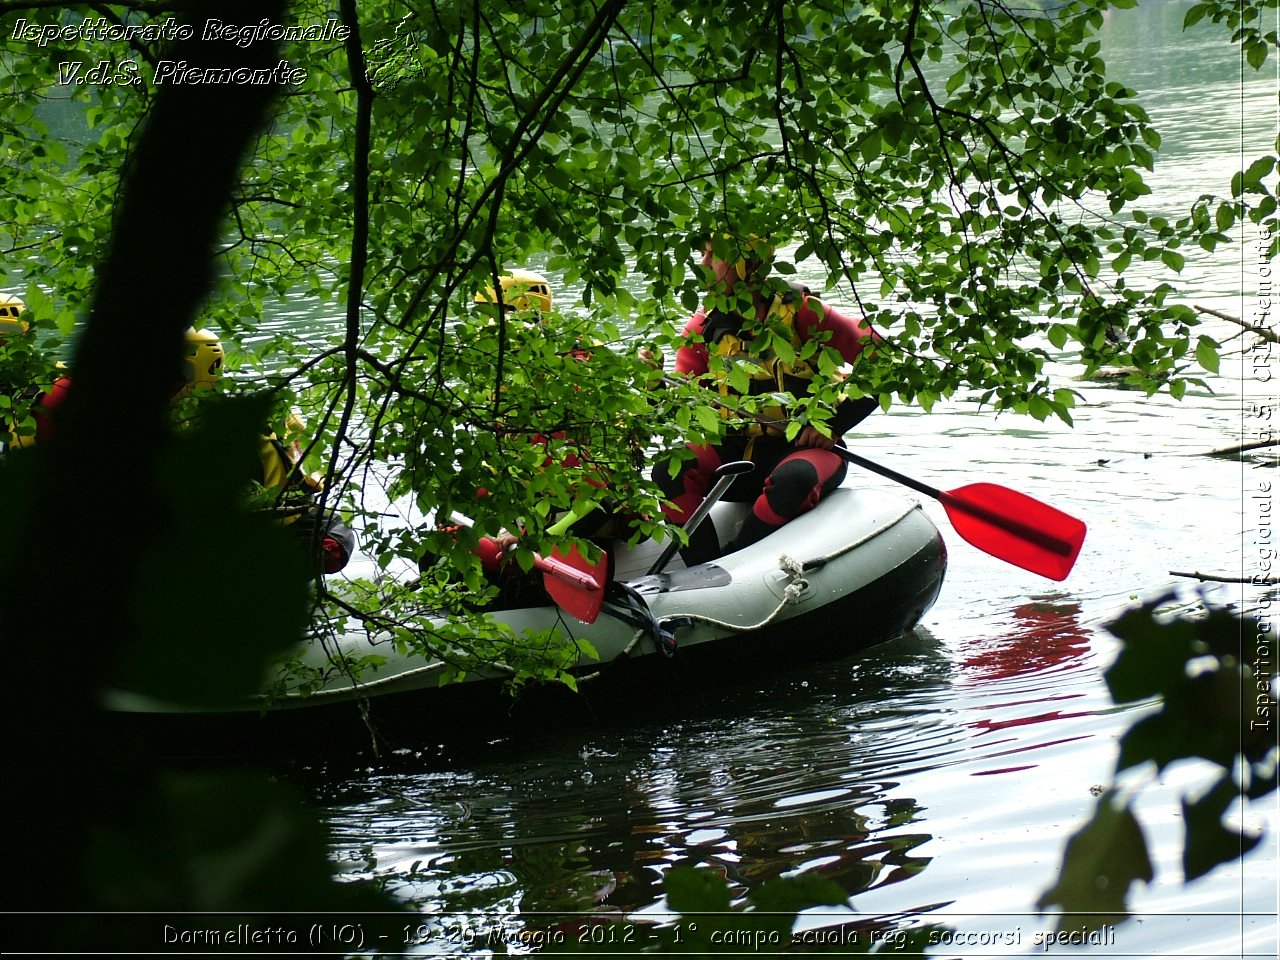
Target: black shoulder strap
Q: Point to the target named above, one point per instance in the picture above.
(719, 324)
(796, 291)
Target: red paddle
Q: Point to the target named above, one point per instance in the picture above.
(576, 586)
(1004, 523)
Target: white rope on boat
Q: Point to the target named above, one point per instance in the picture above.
(794, 569)
(791, 594)
(909, 509)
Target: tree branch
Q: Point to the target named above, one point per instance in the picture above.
(1215, 578)
(1266, 333)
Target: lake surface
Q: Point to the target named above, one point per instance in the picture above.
(935, 778)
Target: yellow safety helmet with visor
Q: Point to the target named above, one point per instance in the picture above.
(522, 290)
(203, 361)
(11, 322)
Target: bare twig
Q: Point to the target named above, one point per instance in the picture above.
(1215, 578)
(1266, 333)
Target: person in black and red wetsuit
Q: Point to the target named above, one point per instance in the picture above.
(526, 296)
(791, 476)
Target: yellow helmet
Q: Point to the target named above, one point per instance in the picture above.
(11, 322)
(747, 254)
(521, 290)
(204, 359)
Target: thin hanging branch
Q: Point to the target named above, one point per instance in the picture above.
(359, 255)
(1217, 578)
(1266, 333)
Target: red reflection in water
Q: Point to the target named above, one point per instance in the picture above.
(1045, 637)
(989, 726)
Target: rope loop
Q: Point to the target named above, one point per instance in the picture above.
(795, 590)
(792, 567)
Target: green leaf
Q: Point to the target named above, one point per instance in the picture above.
(1225, 217)
(708, 419)
(1255, 52)
(1257, 171)
(1153, 658)
(1103, 859)
(1207, 354)
(1200, 717)
(739, 379)
(1209, 842)
(695, 891)
(783, 348)
(1195, 14)
(892, 125)
(790, 895)
(872, 146)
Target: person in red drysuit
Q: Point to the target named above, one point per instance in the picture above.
(791, 476)
(527, 295)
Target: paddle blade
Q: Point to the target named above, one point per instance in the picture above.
(1016, 528)
(576, 586)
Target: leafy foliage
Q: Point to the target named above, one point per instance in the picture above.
(1212, 679)
(25, 373)
(963, 173)
(1248, 23)
(1103, 859)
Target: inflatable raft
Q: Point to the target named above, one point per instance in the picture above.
(858, 570)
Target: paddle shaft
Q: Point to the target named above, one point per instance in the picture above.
(955, 502)
(893, 475)
(548, 565)
(728, 473)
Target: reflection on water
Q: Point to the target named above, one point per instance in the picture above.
(1041, 650)
(1044, 637)
(801, 774)
(792, 780)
